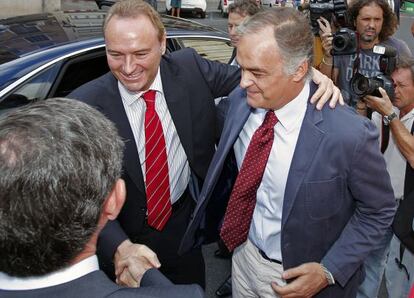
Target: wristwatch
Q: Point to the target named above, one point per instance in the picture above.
(328, 275)
(389, 118)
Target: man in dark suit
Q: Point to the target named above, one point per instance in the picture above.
(310, 196)
(60, 167)
(183, 85)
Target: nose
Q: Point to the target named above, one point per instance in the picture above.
(128, 66)
(246, 79)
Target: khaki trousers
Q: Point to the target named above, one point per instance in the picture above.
(252, 274)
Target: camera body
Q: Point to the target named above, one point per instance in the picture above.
(344, 42)
(362, 85)
(326, 9)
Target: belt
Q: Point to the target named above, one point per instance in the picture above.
(262, 253)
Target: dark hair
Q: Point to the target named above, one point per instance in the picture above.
(59, 160)
(390, 23)
(244, 7)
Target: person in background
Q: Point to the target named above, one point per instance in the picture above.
(60, 168)
(375, 23)
(175, 8)
(238, 12)
(397, 118)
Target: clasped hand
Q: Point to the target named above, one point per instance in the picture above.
(131, 261)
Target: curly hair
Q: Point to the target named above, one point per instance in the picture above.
(390, 23)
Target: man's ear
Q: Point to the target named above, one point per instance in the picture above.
(163, 44)
(115, 200)
(301, 71)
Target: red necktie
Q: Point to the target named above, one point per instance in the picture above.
(242, 201)
(156, 167)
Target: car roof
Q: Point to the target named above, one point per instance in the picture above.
(22, 35)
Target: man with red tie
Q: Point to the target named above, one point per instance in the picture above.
(163, 106)
(308, 192)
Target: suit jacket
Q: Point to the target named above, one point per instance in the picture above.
(338, 200)
(97, 284)
(190, 84)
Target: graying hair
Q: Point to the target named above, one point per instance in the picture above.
(59, 160)
(405, 61)
(292, 33)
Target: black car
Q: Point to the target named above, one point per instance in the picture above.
(49, 55)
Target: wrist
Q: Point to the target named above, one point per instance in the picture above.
(328, 275)
(123, 246)
(327, 60)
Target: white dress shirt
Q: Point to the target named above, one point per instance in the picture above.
(134, 104)
(267, 216)
(65, 275)
(396, 162)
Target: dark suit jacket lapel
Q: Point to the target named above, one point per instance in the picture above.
(115, 111)
(178, 102)
(309, 140)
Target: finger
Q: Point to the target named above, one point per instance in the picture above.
(151, 257)
(283, 291)
(127, 280)
(294, 272)
(383, 92)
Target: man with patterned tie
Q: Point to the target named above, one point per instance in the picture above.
(309, 194)
(163, 106)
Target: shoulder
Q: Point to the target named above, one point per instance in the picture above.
(400, 45)
(345, 121)
(97, 89)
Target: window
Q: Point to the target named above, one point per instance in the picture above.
(212, 49)
(36, 88)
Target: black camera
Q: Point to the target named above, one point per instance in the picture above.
(362, 85)
(327, 9)
(344, 42)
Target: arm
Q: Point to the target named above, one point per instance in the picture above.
(402, 136)
(326, 66)
(369, 185)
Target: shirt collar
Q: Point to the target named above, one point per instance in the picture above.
(291, 114)
(407, 116)
(129, 97)
(64, 275)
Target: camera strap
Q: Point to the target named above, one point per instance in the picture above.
(385, 135)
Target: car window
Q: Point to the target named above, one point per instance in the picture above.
(212, 49)
(78, 71)
(36, 88)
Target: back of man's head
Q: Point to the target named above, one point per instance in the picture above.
(244, 7)
(59, 160)
(390, 22)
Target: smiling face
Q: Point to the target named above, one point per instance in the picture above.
(133, 54)
(266, 84)
(368, 24)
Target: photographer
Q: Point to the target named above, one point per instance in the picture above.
(399, 156)
(374, 23)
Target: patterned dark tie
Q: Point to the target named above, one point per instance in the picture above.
(242, 201)
(157, 181)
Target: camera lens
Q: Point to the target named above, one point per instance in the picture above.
(340, 42)
(362, 85)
